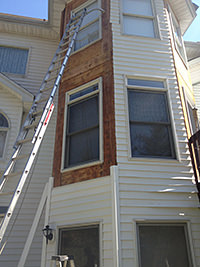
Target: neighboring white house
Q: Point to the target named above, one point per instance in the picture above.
(124, 193)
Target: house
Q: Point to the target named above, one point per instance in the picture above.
(124, 191)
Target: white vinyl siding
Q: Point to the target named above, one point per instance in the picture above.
(138, 18)
(149, 188)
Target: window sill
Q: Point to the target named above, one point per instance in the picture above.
(82, 166)
(141, 37)
(153, 159)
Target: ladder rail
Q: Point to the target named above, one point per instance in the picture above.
(40, 130)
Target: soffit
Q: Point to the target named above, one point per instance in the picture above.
(192, 50)
(185, 11)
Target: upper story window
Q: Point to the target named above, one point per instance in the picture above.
(178, 39)
(90, 28)
(82, 127)
(138, 18)
(4, 126)
(13, 60)
(149, 120)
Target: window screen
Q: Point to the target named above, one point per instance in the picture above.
(163, 245)
(82, 243)
(82, 131)
(89, 31)
(150, 128)
(13, 60)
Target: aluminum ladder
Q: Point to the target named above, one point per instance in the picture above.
(36, 122)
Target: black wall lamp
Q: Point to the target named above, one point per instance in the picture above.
(48, 233)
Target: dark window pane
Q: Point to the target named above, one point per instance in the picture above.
(2, 141)
(82, 147)
(83, 114)
(84, 92)
(163, 246)
(3, 121)
(147, 106)
(82, 243)
(146, 83)
(150, 140)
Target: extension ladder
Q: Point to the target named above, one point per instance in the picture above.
(36, 122)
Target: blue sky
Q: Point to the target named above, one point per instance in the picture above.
(39, 9)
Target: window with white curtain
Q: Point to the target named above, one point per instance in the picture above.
(82, 126)
(13, 60)
(138, 18)
(163, 245)
(149, 119)
(90, 28)
(4, 126)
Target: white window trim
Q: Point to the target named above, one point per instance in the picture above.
(184, 222)
(7, 130)
(171, 117)
(84, 5)
(82, 224)
(22, 47)
(154, 18)
(100, 92)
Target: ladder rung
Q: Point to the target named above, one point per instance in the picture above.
(65, 43)
(46, 89)
(60, 59)
(41, 100)
(23, 141)
(51, 79)
(7, 193)
(12, 174)
(37, 113)
(55, 69)
(71, 29)
(30, 126)
(62, 51)
(23, 156)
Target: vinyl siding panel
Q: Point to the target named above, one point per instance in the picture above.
(84, 203)
(150, 189)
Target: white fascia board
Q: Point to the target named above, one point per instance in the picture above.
(25, 96)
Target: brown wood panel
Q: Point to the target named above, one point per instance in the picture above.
(85, 65)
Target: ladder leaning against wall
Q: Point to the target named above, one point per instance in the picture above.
(36, 122)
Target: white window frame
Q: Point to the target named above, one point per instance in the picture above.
(84, 224)
(188, 235)
(170, 110)
(6, 129)
(85, 5)
(67, 101)
(7, 45)
(153, 18)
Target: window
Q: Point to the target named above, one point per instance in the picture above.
(82, 138)
(90, 28)
(82, 243)
(13, 60)
(178, 40)
(192, 118)
(3, 133)
(163, 245)
(150, 128)
(138, 18)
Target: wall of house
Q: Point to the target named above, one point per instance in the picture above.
(88, 64)
(150, 189)
(81, 204)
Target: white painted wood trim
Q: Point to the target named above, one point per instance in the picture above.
(116, 216)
